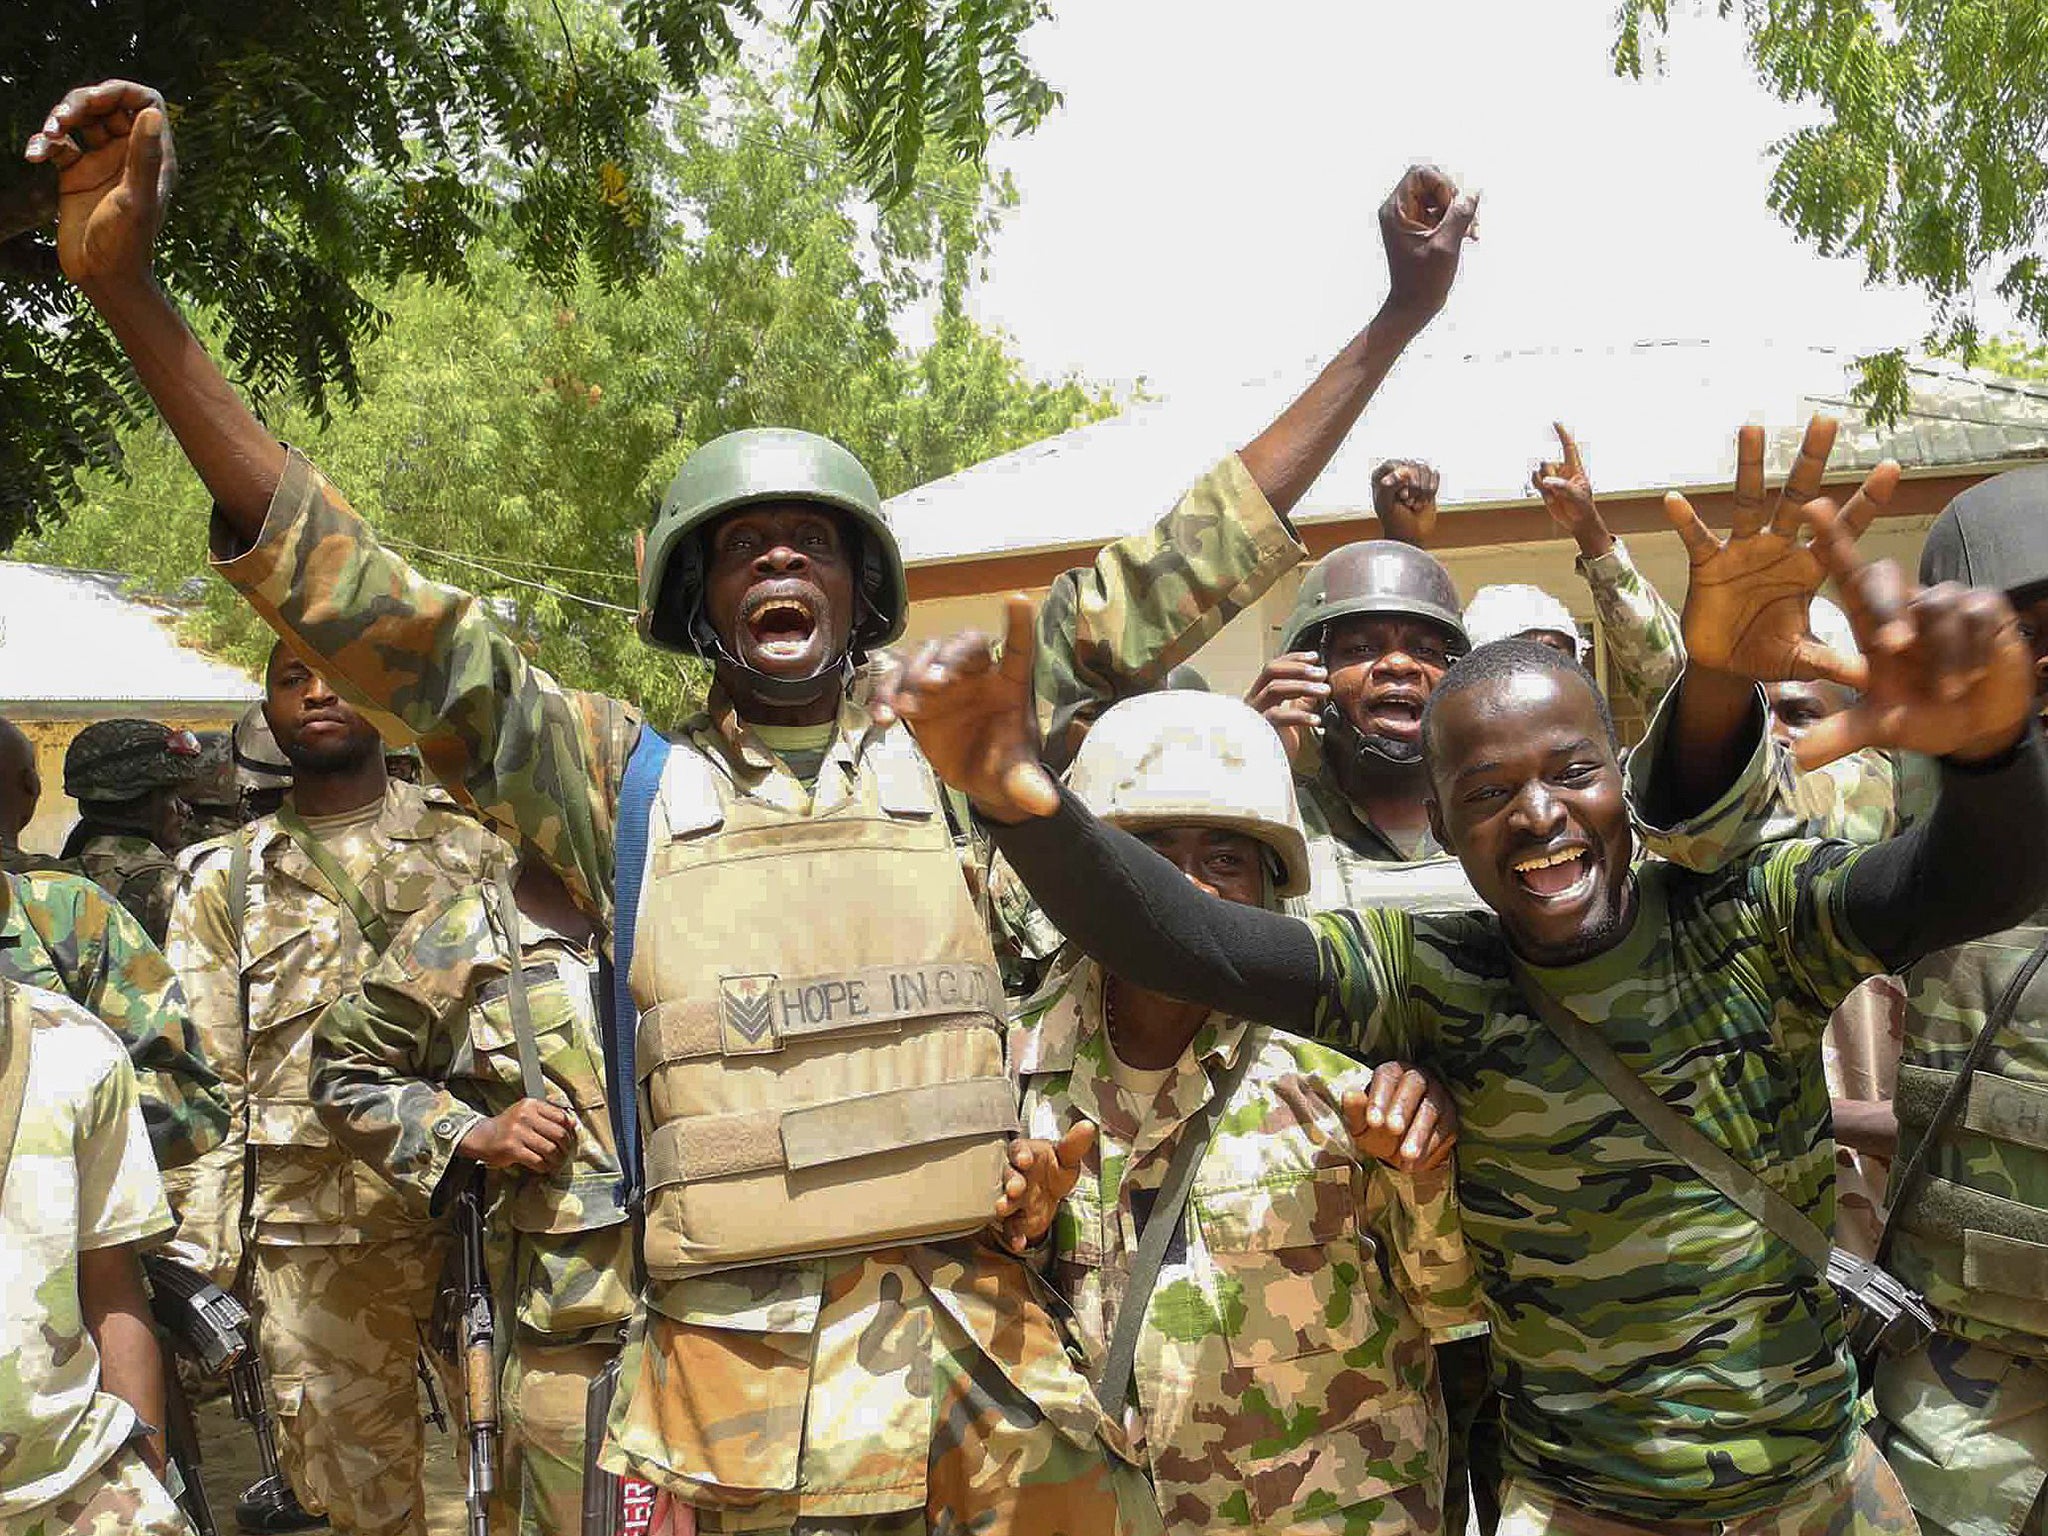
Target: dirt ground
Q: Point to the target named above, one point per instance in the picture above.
(228, 1465)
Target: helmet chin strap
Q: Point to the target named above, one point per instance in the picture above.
(1353, 743)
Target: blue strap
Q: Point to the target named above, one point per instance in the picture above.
(629, 849)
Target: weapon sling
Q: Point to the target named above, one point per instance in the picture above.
(531, 1082)
(1880, 1296)
(369, 920)
(1113, 1381)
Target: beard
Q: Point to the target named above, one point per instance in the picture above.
(340, 758)
(1603, 933)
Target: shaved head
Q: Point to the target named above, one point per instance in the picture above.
(20, 785)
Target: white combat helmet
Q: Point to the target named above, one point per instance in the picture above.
(1179, 758)
(1515, 608)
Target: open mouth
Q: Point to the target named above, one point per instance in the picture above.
(781, 626)
(1561, 875)
(1402, 712)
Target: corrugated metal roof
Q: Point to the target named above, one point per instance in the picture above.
(74, 635)
(1652, 417)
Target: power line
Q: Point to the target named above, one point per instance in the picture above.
(521, 581)
(532, 565)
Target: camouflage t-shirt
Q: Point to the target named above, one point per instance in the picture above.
(81, 1178)
(1659, 1355)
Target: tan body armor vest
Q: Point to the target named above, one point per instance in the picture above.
(821, 1019)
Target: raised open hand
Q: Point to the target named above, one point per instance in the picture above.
(973, 716)
(1746, 606)
(1945, 670)
(1042, 1174)
(111, 145)
(1424, 224)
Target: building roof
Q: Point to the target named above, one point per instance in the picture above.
(70, 637)
(1651, 417)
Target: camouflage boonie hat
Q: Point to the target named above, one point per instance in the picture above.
(123, 759)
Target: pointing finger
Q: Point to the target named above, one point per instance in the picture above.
(1573, 464)
(1700, 543)
(1020, 637)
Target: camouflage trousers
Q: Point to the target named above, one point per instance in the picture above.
(1862, 1499)
(886, 1416)
(541, 1400)
(339, 1332)
(122, 1498)
(1966, 1428)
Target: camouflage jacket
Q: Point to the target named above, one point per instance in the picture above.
(135, 872)
(425, 1047)
(258, 978)
(1285, 1368)
(61, 933)
(546, 764)
(1660, 1356)
(1644, 646)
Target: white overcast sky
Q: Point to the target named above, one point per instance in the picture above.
(1201, 210)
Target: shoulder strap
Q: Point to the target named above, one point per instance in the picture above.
(531, 1082)
(629, 849)
(1737, 1183)
(368, 919)
(1908, 1182)
(1113, 1381)
(17, 1031)
(238, 885)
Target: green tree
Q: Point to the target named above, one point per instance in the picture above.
(1926, 161)
(331, 149)
(514, 442)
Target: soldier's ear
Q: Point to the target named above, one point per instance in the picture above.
(1437, 829)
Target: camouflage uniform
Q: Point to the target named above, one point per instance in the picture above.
(81, 1178)
(343, 1273)
(59, 932)
(1965, 1419)
(956, 1378)
(403, 1069)
(135, 872)
(1645, 650)
(1659, 1358)
(1285, 1379)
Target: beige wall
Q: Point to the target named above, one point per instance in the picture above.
(1232, 660)
(51, 732)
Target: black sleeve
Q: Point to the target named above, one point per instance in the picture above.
(1134, 912)
(1978, 865)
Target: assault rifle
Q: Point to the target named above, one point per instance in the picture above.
(612, 1505)
(477, 1339)
(212, 1329)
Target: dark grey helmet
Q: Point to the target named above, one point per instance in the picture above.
(1374, 576)
(123, 759)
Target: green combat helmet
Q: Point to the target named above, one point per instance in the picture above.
(1379, 576)
(120, 760)
(1374, 576)
(1178, 758)
(741, 469)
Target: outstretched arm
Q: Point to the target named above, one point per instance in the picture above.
(1105, 890)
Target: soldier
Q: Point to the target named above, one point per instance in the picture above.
(863, 1388)
(21, 789)
(1964, 1419)
(263, 774)
(1663, 1361)
(126, 776)
(271, 926)
(81, 1450)
(1283, 1375)
(213, 797)
(1515, 610)
(431, 1039)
